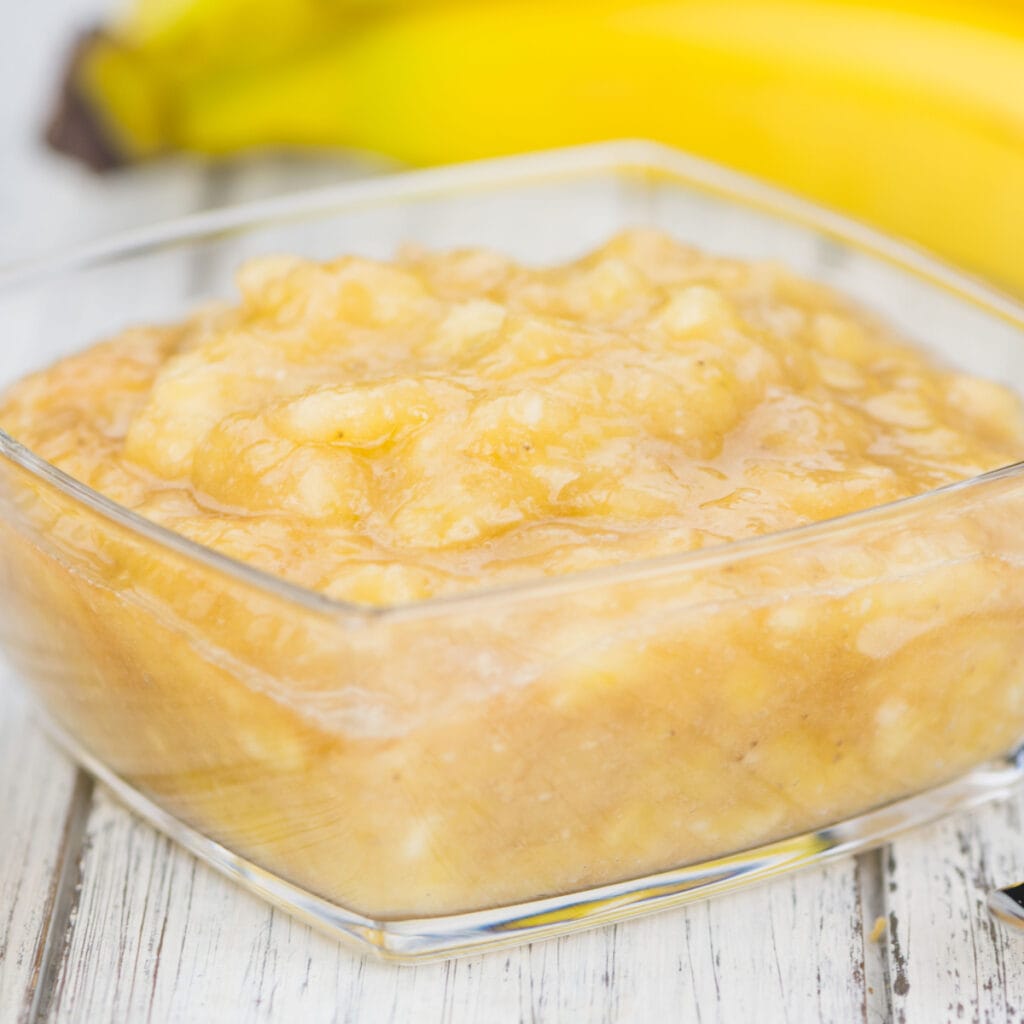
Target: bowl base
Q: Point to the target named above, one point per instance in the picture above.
(435, 938)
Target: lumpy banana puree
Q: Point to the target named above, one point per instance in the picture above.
(388, 432)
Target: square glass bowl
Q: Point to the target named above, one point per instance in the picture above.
(502, 765)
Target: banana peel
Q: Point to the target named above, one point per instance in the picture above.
(907, 114)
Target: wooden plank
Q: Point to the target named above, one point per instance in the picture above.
(43, 799)
(159, 936)
(947, 959)
(42, 795)
(42, 802)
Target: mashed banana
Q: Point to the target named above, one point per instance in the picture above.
(385, 433)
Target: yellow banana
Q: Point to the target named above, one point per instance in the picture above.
(909, 114)
(157, 47)
(195, 32)
(190, 35)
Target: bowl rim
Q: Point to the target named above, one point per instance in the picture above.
(616, 157)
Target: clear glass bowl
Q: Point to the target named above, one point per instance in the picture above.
(511, 763)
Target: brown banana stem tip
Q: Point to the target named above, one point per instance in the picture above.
(75, 127)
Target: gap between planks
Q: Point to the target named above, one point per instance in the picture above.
(871, 885)
(63, 901)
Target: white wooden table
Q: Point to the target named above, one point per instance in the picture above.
(102, 919)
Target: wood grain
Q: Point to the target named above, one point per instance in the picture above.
(160, 937)
(42, 798)
(948, 959)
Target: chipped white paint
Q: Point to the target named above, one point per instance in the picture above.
(947, 959)
(159, 937)
(38, 797)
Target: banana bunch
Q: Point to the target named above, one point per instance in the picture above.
(906, 113)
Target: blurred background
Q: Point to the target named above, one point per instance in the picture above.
(908, 114)
(49, 200)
